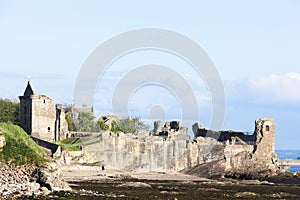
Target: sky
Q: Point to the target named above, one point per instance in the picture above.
(254, 45)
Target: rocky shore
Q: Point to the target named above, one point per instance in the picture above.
(15, 182)
(23, 182)
(92, 182)
(110, 185)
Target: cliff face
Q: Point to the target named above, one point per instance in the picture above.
(169, 149)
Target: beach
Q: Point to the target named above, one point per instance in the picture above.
(91, 182)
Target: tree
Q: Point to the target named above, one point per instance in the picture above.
(71, 124)
(9, 111)
(102, 126)
(140, 125)
(86, 121)
(115, 126)
(129, 125)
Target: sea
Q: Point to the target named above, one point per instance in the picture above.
(289, 154)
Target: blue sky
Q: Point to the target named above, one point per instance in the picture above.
(255, 46)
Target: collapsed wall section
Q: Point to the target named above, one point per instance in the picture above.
(169, 149)
(244, 155)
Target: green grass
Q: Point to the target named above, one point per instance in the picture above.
(20, 149)
(67, 144)
(67, 141)
(83, 141)
(69, 147)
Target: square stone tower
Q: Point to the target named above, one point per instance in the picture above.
(265, 139)
(40, 117)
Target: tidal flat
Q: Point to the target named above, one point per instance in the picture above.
(171, 189)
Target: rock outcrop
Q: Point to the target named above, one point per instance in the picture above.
(28, 182)
(15, 182)
(49, 177)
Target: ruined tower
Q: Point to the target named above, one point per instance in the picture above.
(40, 117)
(265, 138)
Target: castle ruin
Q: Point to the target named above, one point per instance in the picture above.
(168, 148)
(40, 117)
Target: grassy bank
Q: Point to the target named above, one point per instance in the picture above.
(74, 144)
(20, 149)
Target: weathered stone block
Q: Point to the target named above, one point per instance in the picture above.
(157, 127)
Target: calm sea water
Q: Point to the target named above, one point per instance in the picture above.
(295, 169)
(289, 154)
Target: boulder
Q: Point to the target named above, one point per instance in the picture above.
(49, 177)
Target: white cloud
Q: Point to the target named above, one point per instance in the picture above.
(277, 87)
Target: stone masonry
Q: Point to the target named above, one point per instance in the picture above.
(169, 149)
(40, 117)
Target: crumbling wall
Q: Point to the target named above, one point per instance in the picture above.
(171, 152)
(265, 139)
(129, 152)
(223, 136)
(244, 159)
(61, 125)
(260, 157)
(168, 148)
(141, 152)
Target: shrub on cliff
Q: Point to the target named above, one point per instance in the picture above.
(20, 149)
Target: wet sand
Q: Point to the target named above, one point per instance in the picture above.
(90, 173)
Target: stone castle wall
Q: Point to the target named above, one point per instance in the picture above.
(43, 117)
(129, 152)
(174, 151)
(25, 114)
(40, 117)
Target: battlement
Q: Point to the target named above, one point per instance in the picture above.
(170, 129)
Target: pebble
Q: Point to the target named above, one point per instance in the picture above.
(14, 181)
